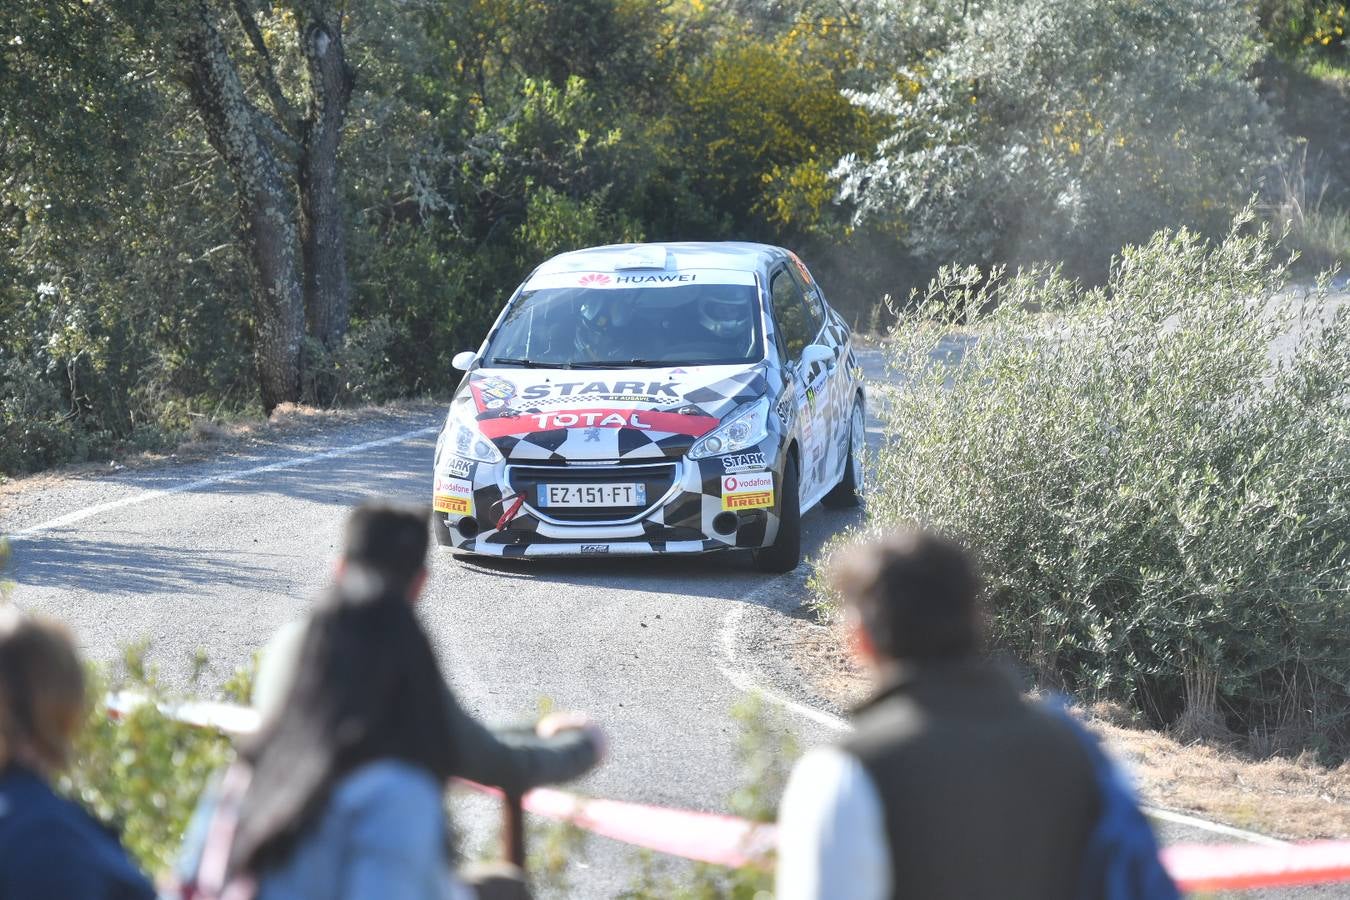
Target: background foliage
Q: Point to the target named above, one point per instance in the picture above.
(1057, 129)
(1159, 501)
(879, 139)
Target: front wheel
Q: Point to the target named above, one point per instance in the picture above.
(786, 550)
(849, 491)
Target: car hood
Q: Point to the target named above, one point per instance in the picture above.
(627, 414)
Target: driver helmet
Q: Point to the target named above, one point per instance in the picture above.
(598, 315)
(724, 315)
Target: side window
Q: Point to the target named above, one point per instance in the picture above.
(790, 314)
(815, 310)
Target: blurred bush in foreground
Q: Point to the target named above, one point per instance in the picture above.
(142, 774)
(766, 751)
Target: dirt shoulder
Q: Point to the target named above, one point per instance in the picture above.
(1295, 799)
(209, 439)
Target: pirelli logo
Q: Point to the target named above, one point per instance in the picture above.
(756, 500)
(749, 490)
(448, 503)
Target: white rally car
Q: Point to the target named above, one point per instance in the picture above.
(653, 398)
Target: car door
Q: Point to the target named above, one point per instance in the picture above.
(808, 379)
(835, 393)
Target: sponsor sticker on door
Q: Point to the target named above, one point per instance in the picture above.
(748, 490)
(454, 495)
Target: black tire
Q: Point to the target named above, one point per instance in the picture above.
(786, 550)
(848, 492)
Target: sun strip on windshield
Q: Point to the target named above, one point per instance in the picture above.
(638, 279)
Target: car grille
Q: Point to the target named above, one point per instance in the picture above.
(657, 477)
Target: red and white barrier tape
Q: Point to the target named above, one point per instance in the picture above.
(1223, 867)
(227, 717)
(731, 841)
(699, 836)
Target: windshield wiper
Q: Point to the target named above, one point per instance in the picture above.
(626, 364)
(525, 363)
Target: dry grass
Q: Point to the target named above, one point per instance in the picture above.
(1290, 798)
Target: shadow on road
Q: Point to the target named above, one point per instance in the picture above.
(65, 561)
(403, 473)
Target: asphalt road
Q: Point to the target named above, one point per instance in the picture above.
(219, 567)
(217, 555)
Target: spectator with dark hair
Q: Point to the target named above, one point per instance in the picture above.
(953, 784)
(384, 548)
(345, 798)
(340, 794)
(49, 846)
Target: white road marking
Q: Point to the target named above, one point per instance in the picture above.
(89, 512)
(748, 683)
(1167, 815)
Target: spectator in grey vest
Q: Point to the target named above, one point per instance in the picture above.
(953, 784)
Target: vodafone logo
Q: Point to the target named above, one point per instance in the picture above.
(753, 481)
(594, 278)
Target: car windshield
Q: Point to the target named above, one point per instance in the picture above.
(584, 327)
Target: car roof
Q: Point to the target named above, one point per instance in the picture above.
(739, 256)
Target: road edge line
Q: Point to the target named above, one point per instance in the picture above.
(1168, 815)
(89, 512)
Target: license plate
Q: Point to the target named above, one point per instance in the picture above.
(564, 495)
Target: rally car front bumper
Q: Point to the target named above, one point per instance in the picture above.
(693, 506)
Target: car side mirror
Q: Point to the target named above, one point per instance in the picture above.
(814, 353)
(464, 359)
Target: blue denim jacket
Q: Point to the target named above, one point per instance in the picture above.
(53, 849)
(382, 835)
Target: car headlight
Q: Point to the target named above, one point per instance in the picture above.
(741, 429)
(462, 438)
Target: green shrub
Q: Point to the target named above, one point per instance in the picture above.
(555, 223)
(1160, 500)
(362, 370)
(1293, 26)
(34, 433)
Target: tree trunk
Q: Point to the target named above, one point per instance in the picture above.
(269, 237)
(327, 287)
(266, 203)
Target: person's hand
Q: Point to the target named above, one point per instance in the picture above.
(553, 723)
